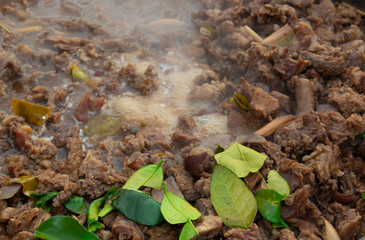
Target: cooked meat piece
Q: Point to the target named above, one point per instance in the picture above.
(284, 13)
(295, 173)
(307, 230)
(41, 150)
(296, 204)
(26, 219)
(304, 96)
(286, 234)
(202, 186)
(145, 83)
(347, 101)
(87, 103)
(205, 207)
(348, 224)
(358, 79)
(252, 233)
(209, 226)
(163, 232)
(328, 64)
(125, 229)
(19, 13)
(133, 144)
(56, 97)
(325, 160)
(185, 182)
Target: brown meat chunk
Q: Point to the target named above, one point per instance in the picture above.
(325, 160)
(348, 224)
(209, 226)
(42, 150)
(252, 233)
(307, 230)
(125, 229)
(304, 96)
(358, 79)
(163, 232)
(205, 207)
(26, 219)
(87, 103)
(295, 173)
(56, 97)
(286, 234)
(144, 83)
(284, 13)
(262, 103)
(327, 64)
(347, 101)
(296, 203)
(185, 182)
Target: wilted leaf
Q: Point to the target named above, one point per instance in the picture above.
(138, 207)
(32, 113)
(149, 176)
(276, 182)
(61, 228)
(103, 125)
(76, 205)
(240, 159)
(219, 149)
(29, 183)
(241, 101)
(231, 198)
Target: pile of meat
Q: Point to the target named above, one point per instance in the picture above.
(318, 77)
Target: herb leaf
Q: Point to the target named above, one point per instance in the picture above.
(29, 183)
(241, 101)
(268, 203)
(363, 195)
(188, 231)
(276, 182)
(149, 176)
(240, 159)
(92, 215)
(63, 227)
(139, 207)
(280, 224)
(76, 205)
(32, 113)
(219, 149)
(231, 198)
(176, 209)
(102, 125)
(43, 199)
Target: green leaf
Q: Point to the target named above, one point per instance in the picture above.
(61, 228)
(92, 215)
(219, 149)
(43, 199)
(176, 209)
(188, 231)
(231, 199)
(268, 203)
(78, 74)
(363, 195)
(280, 224)
(149, 176)
(276, 182)
(361, 135)
(76, 205)
(240, 159)
(139, 207)
(108, 199)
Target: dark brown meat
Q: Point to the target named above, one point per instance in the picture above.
(163, 232)
(347, 101)
(296, 174)
(185, 182)
(328, 64)
(252, 233)
(348, 225)
(209, 226)
(125, 229)
(87, 103)
(304, 96)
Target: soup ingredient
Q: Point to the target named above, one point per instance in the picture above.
(330, 232)
(102, 125)
(283, 37)
(33, 113)
(272, 126)
(231, 198)
(194, 164)
(78, 74)
(241, 101)
(10, 190)
(240, 159)
(138, 207)
(177, 210)
(277, 183)
(29, 183)
(149, 176)
(43, 199)
(63, 227)
(76, 205)
(92, 215)
(268, 203)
